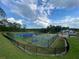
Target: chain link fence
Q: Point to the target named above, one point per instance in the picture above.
(35, 49)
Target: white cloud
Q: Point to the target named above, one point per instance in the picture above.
(33, 6)
(27, 9)
(23, 8)
(12, 20)
(65, 3)
(44, 11)
(69, 21)
(45, 7)
(43, 21)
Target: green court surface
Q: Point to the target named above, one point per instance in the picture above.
(43, 40)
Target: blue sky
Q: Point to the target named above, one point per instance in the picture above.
(42, 13)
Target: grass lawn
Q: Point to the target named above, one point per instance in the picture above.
(59, 43)
(9, 51)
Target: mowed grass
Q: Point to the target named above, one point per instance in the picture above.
(58, 43)
(9, 51)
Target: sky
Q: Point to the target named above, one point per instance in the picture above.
(42, 13)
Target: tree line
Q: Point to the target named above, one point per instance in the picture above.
(53, 29)
(8, 26)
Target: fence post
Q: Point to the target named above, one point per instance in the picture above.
(55, 51)
(36, 51)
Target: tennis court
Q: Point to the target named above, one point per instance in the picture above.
(43, 40)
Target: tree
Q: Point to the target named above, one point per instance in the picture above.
(2, 14)
(53, 29)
